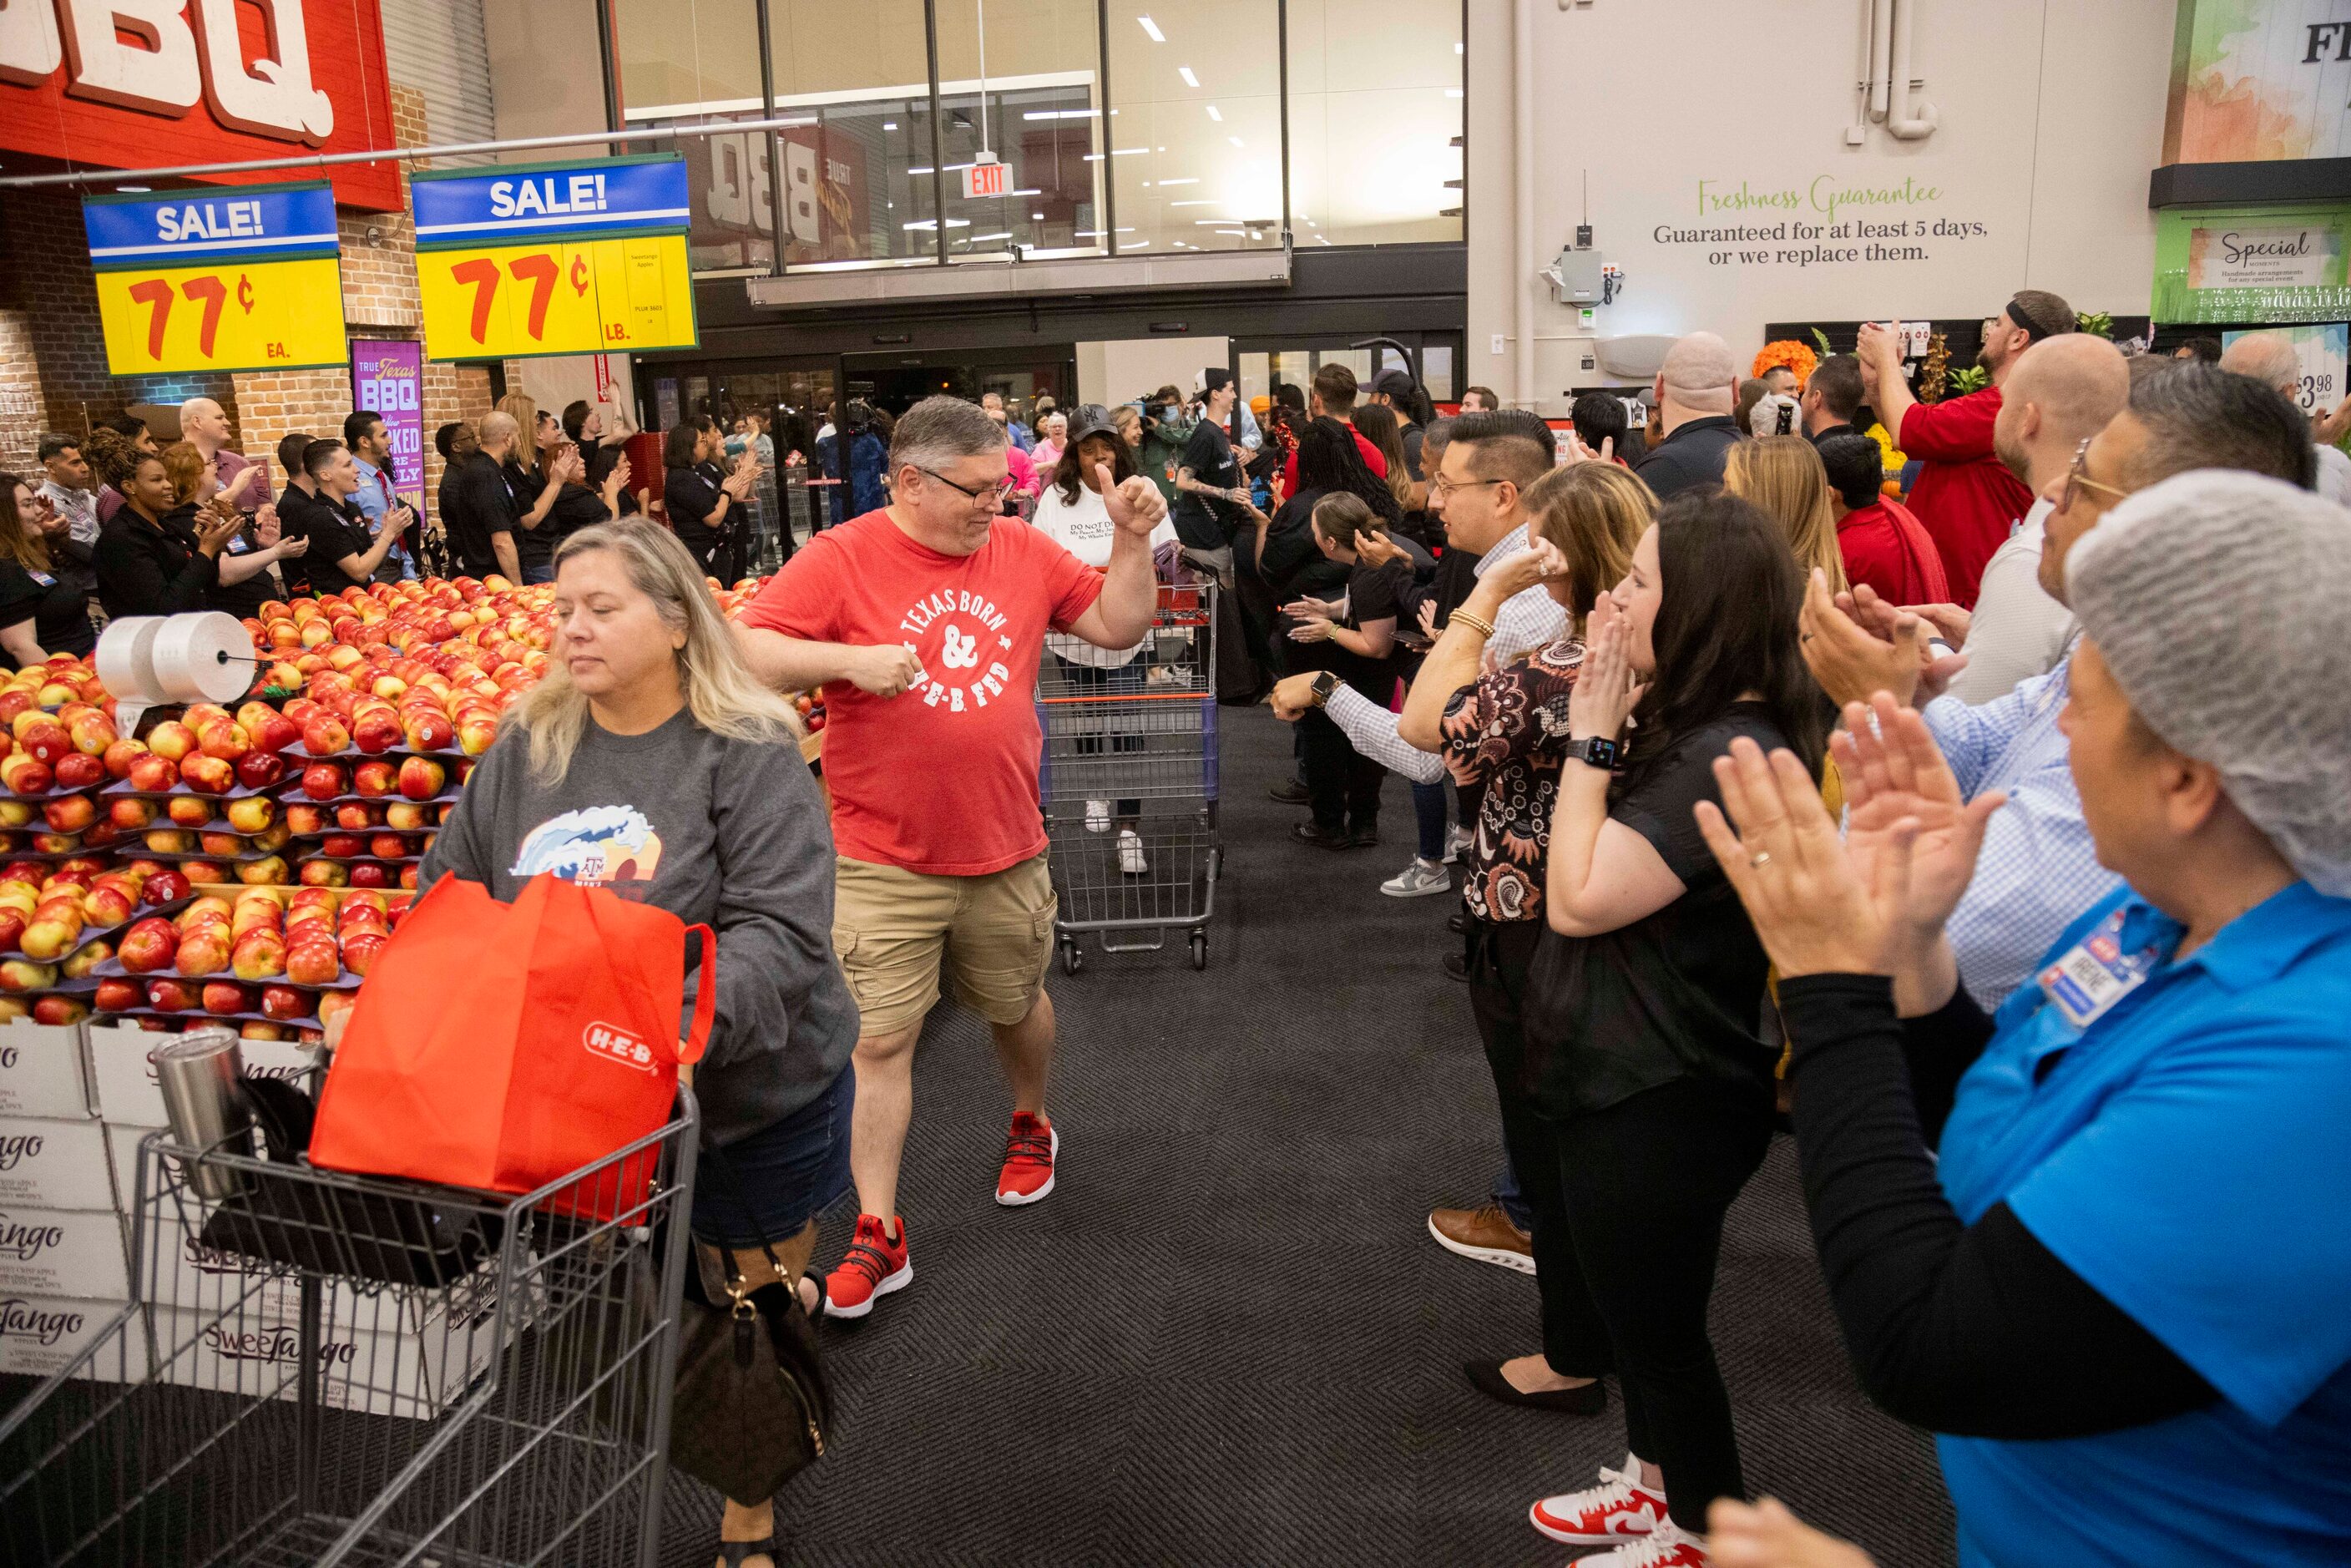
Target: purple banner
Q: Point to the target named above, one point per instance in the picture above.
(389, 377)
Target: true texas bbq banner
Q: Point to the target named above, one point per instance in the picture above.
(218, 280)
(555, 258)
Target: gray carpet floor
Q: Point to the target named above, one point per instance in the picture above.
(1226, 1338)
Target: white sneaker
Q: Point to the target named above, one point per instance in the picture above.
(1457, 847)
(1418, 880)
(1131, 858)
(1098, 816)
(1667, 1546)
(1619, 1507)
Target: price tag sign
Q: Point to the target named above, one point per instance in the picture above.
(2323, 350)
(565, 259)
(241, 279)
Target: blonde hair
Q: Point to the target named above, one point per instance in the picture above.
(522, 409)
(1782, 476)
(1594, 515)
(720, 691)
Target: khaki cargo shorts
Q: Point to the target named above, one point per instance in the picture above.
(893, 929)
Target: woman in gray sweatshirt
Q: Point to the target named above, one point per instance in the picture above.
(649, 762)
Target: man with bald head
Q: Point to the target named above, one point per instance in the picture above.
(2270, 358)
(204, 426)
(1695, 389)
(2061, 392)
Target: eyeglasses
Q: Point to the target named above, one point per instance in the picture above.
(1440, 486)
(2077, 480)
(984, 493)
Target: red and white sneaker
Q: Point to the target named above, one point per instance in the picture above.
(1668, 1546)
(1029, 1151)
(874, 1267)
(1618, 1508)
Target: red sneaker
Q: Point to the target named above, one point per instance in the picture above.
(1618, 1508)
(1028, 1152)
(874, 1267)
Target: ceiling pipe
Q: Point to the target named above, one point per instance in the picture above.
(1881, 46)
(1910, 120)
(1529, 258)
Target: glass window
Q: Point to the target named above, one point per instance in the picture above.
(857, 163)
(703, 63)
(1196, 124)
(1375, 122)
(1019, 78)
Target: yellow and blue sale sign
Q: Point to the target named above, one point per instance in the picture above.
(557, 258)
(235, 279)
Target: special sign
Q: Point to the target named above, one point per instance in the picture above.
(241, 279)
(561, 259)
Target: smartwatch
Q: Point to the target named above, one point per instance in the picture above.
(1324, 683)
(1592, 751)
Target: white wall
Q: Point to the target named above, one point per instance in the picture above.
(2052, 116)
(1124, 369)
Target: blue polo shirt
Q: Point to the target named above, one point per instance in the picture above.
(2187, 1152)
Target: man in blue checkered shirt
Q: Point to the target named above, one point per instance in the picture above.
(2039, 870)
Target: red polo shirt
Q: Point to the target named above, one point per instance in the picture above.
(1966, 498)
(1883, 546)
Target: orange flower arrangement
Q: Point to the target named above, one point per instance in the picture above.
(1786, 352)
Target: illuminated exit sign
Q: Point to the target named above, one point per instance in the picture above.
(986, 180)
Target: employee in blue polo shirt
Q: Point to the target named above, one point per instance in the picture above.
(2122, 1295)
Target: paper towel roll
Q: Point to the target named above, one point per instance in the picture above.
(201, 657)
(125, 658)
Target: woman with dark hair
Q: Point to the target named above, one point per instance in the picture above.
(43, 611)
(1072, 513)
(149, 566)
(1378, 424)
(703, 515)
(1648, 1091)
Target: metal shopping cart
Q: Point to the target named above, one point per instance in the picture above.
(1129, 782)
(328, 1369)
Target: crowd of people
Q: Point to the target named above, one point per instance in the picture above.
(1991, 834)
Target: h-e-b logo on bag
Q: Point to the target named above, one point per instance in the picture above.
(610, 1044)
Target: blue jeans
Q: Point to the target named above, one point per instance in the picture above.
(1429, 813)
(768, 1186)
(531, 574)
(1505, 1193)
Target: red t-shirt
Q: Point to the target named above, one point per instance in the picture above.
(943, 779)
(1373, 459)
(1968, 499)
(1883, 546)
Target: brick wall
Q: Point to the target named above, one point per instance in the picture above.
(53, 351)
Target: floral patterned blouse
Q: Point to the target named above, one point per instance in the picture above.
(1506, 731)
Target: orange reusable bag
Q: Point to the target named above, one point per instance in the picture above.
(503, 1046)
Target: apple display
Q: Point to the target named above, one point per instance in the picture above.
(222, 998)
(150, 774)
(80, 770)
(117, 994)
(188, 811)
(375, 779)
(322, 780)
(171, 740)
(59, 1011)
(420, 777)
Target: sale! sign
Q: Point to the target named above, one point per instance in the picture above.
(117, 85)
(389, 377)
(563, 258)
(217, 281)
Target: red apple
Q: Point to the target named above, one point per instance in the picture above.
(69, 813)
(225, 739)
(208, 873)
(222, 997)
(25, 774)
(188, 811)
(260, 769)
(323, 734)
(378, 778)
(59, 1011)
(173, 996)
(334, 1003)
(165, 886)
(387, 847)
(343, 846)
(207, 774)
(420, 777)
(313, 962)
(122, 755)
(360, 952)
(270, 871)
(57, 843)
(255, 1030)
(171, 740)
(357, 816)
(259, 956)
(430, 732)
(285, 1002)
(325, 874)
(152, 775)
(204, 951)
(80, 770)
(370, 874)
(131, 812)
(117, 994)
(322, 780)
(305, 818)
(376, 731)
(407, 814)
(47, 742)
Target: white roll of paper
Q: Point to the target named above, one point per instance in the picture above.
(125, 658)
(201, 657)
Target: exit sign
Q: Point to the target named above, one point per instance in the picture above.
(986, 180)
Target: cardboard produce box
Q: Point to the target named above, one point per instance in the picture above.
(46, 1164)
(40, 1335)
(62, 1252)
(125, 1080)
(41, 1072)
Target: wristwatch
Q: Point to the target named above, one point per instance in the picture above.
(1325, 682)
(1592, 751)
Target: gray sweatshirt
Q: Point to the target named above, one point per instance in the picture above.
(720, 832)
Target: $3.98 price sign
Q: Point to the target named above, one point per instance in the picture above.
(217, 281)
(582, 258)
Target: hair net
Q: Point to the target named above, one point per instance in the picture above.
(2217, 599)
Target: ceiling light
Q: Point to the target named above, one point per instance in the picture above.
(1214, 115)
(1235, 142)
(1060, 113)
(1152, 27)
(1185, 72)
(1456, 47)
(1127, 151)
(1453, 92)
(926, 224)
(888, 125)
(1186, 180)
(1199, 201)
(977, 238)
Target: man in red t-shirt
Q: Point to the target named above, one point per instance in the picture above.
(924, 622)
(1333, 397)
(1879, 541)
(1964, 495)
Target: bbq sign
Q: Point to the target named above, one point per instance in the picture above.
(245, 280)
(562, 258)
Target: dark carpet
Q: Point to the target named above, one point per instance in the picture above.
(1226, 1338)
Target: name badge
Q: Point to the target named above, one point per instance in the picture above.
(43, 578)
(236, 544)
(2092, 975)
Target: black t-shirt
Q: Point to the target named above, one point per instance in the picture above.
(690, 495)
(1373, 593)
(335, 529)
(1200, 522)
(1294, 564)
(1677, 994)
(475, 505)
(241, 600)
(603, 458)
(534, 546)
(576, 507)
(53, 602)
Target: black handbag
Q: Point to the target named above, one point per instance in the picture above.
(750, 1407)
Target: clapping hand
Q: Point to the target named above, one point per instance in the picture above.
(2329, 427)
(1605, 694)
(1896, 780)
(1766, 1535)
(1312, 629)
(1579, 453)
(242, 482)
(265, 525)
(615, 482)
(1428, 619)
(1914, 628)
(1135, 506)
(1951, 623)
(1328, 608)
(214, 528)
(1292, 695)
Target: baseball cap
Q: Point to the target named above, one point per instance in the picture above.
(1215, 378)
(1393, 382)
(1087, 419)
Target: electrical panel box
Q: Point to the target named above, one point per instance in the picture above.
(1576, 278)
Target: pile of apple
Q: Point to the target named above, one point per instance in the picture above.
(44, 910)
(224, 954)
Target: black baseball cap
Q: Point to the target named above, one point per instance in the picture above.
(1393, 382)
(1087, 419)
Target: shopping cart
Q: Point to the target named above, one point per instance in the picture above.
(1128, 783)
(325, 1369)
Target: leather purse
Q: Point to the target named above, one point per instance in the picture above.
(750, 1406)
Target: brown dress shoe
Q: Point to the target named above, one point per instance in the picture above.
(1485, 1235)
